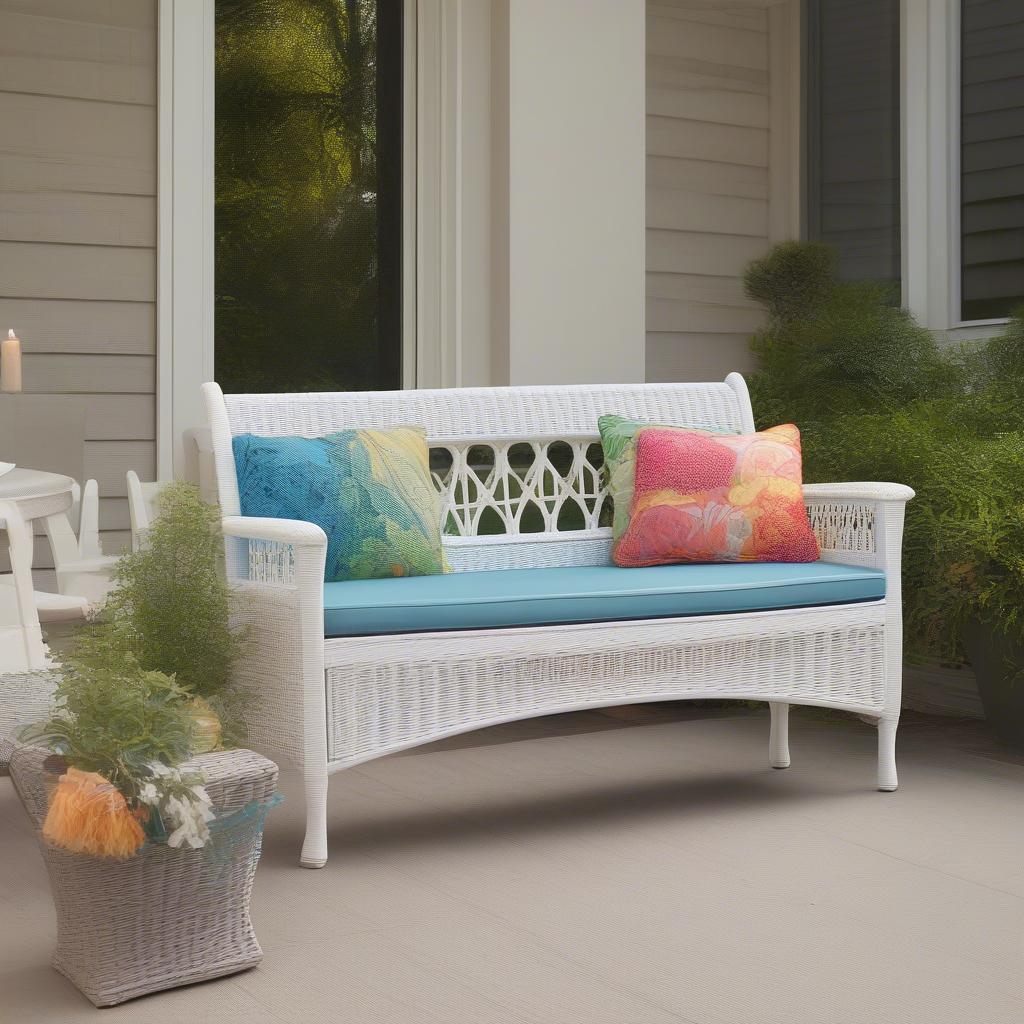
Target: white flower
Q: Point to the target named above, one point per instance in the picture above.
(183, 803)
(191, 819)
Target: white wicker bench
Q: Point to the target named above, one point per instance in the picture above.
(330, 704)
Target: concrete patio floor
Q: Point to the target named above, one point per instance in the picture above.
(633, 866)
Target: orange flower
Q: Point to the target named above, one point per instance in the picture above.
(88, 815)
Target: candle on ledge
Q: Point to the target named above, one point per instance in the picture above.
(10, 363)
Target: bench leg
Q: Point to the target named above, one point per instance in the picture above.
(314, 847)
(887, 780)
(778, 743)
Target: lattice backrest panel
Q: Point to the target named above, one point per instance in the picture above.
(521, 486)
(555, 490)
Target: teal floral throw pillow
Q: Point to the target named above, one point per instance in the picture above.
(369, 490)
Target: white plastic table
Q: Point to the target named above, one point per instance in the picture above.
(37, 494)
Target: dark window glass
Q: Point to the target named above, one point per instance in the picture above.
(992, 158)
(852, 93)
(308, 194)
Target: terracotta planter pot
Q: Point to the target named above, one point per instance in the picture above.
(998, 664)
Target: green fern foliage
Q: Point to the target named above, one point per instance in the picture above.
(117, 721)
(171, 605)
(164, 637)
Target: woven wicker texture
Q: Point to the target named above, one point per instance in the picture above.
(25, 698)
(387, 693)
(165, 917)
(331, 704)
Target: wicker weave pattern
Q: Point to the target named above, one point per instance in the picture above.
(843, 526)
(165, 917)
(331, 704)
(25, 698)
(396, 699)
(533, 412)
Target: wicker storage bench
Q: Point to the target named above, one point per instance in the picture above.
(519, 472)
(165, 917)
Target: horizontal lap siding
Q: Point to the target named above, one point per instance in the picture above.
(707, 184)
(78, 87)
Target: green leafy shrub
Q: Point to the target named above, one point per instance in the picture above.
(117, 721)
(138, 680)
(876, 400)
(963, 540)
(835, 347)
(171, 605)
(145, 686)
(1003, 357)
(793, 281)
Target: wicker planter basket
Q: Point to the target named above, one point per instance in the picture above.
(165, 917)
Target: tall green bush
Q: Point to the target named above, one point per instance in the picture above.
(834, 346)
(171, 604)
(876, 400)
(138, 683)
(963, 540)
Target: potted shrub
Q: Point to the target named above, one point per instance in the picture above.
(980, 542)
(148, 821)
(170, 611)
(991, 533)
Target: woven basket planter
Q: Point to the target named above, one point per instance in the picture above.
(165, 917)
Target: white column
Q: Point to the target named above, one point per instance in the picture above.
(185, 248)
(930, 158)
(575, 207)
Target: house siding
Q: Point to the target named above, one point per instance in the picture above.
(708, 114)
(78, 162)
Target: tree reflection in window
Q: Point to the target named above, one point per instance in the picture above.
(308, 194)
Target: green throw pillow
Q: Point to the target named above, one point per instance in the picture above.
(618, 439)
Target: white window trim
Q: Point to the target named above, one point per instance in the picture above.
(786, 122)
(434, 357)
(930, 135)
(185, 239)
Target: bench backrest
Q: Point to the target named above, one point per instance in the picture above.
(518, 468)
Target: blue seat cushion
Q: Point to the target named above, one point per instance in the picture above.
(586, 593)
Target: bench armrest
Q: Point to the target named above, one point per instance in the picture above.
(281, 531)
(861, 491)
(860, 523)
(277, 552)
(276, 567)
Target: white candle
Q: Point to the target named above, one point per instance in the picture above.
(10, 363)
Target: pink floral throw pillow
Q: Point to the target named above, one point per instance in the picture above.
(717, 498)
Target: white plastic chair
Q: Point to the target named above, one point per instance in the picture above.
(82, 568)
(21, 638)
(43, 607)
(142, 505)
